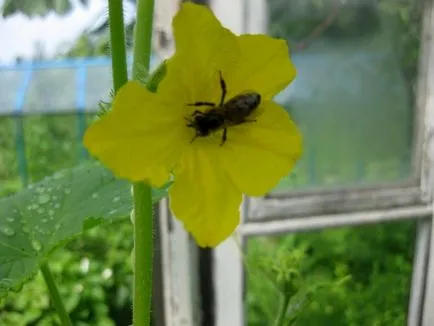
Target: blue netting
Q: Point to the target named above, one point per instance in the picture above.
(55, 87)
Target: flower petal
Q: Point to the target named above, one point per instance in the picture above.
(204, 198)
(203, 48)
(264, 66)
(257, 155)
(139, 139)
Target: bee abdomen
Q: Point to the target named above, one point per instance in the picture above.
(241, 106)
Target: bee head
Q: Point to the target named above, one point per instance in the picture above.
(205, 124)
(202, 126)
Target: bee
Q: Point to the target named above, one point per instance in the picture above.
(217, 117)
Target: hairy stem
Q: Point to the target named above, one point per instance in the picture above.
(143, 254)
(117, 42)
(55, 295)
(143, 38)
(143, 236)
(143, 223)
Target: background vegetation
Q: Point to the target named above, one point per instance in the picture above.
(351, 276)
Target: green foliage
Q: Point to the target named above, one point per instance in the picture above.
(94, 277)
(36, 220)
(51, 144)
(88, 46)
(9, 178)
(92, 299)
(282, 276)
(349, 276)
(37, 7)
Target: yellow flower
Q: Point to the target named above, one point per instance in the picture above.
(146, 135)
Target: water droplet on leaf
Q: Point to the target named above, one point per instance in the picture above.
(8, 231)
(57, 175)
(10, 219)
(36, 245)
(116, 199)
(43, 199)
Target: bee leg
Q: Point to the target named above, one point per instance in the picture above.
(225, 136)
(202, 104)
(223, 87)
(195, 136)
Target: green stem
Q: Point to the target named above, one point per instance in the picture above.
(143, 229)
(55, 296)
(143, 37)
(143, 254)
(117, 39)
(280, 320)
(143, 223)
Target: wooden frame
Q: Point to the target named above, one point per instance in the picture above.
(179, 272)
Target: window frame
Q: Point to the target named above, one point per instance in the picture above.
(412, 190)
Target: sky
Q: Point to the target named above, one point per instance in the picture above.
(19, 34)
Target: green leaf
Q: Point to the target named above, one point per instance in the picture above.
(46, 215)
(38, 7)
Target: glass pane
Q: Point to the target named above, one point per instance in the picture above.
(51, 91)
(339, 277)
(354, 92)
(10, 83)
(99, 85)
